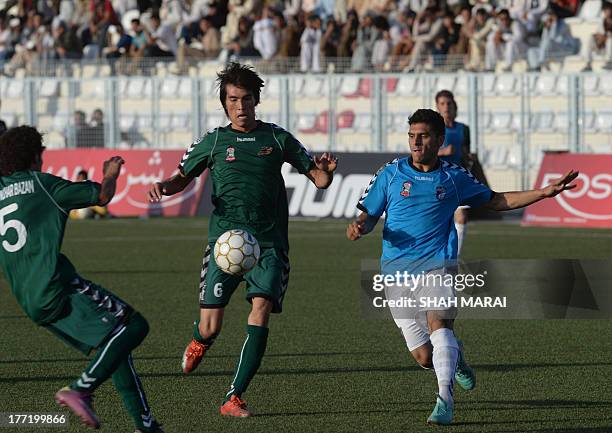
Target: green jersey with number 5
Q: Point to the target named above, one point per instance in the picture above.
(34, 208)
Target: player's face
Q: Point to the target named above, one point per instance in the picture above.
(424, 144)
(240, 106)
(447, 108)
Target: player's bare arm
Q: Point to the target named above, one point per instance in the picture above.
(363, 225)
(111, 170)
(446, 151)
(170, 186)
(323, 173)
(517, 199)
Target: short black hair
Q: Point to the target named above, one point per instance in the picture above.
(19, 148)
(83, 173)
(239, 75)
(430, 117)
(446, 94)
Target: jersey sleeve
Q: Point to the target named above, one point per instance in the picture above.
(72, 195)
(297, 155)
(374, 198)
(197, 156)
(471, 192)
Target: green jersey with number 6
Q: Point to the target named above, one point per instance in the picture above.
(34, 208)
(248, 190)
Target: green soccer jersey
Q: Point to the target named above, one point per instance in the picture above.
(34, 207)
(248, 190)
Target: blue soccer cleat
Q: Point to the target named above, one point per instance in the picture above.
(464, 375)
(442, 413)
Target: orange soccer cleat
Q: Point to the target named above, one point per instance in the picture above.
(235, 407)
(193, 356)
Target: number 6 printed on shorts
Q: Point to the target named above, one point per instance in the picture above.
(218, 290)
(14, 224)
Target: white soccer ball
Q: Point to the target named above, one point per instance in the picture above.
(236, 252)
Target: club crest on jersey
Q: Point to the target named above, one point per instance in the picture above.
(405, 192)
(440, 192)
(230, 154)
(266, 150)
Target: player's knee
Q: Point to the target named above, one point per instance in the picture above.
(260, 311)
(423, 359)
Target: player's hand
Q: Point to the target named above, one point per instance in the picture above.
(112, 167)
(561, 184)
(326, 162)
(156, 192)
(355, 230)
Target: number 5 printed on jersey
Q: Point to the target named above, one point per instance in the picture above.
(14, 224)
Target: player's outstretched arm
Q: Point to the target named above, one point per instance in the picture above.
(363, 225)
(517, 199)
(170, 186)
(111, 170)
(323, 173)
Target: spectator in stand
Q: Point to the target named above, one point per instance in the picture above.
(6, 50)
(556, 42)
(427, 29)
(528, 13)
(243, 45)
(381, 52)
(96, 129)
(117, 46)
(348, 35)
(266, 36)
(161, 42)
(601, 42)
(329, 40)
(238, 9)
(173, 12)
(67, 43)
(506, 41)
(447, 38)
(478, 30)
(77, 133)
(96, 212)
(101, 15)
(207, 46)
(564, 8)
(191, 26)
(310, 43)
(289, 47)
(401, 37)
(367, 35)
(340, 11)
(138, 46)
(461, 47)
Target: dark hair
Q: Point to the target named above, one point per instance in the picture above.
(430, 117)
(83, 173)
(445, 94)
(19, 148)
(135, 20)
(240, 76)
(504, 12)
(155, 17)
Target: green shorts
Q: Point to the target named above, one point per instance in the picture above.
(91, 315)
(269, 279)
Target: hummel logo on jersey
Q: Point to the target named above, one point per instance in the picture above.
(405, 192)
(240, 139)
(265, 151)
(230, 154)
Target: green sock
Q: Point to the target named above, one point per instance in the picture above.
(112, 353)
(130, 389)
(197, 337)
(250, 358)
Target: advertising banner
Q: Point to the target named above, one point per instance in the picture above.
(588, 205)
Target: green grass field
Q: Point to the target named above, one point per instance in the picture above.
(327, 369)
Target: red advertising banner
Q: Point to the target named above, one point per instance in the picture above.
(588, 205)
(142, 168)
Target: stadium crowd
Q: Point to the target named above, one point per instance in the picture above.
(355, 35)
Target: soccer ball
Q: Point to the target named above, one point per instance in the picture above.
(236, 252)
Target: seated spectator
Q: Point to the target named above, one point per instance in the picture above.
(89, 212)
(117, 46)
(601, 42)
(6, 49)
(329, 40)
(478, 31)
(310, 43)
(556, 42)
(238, 9)
(161, 42)
(367, 35)
(76, 134)
(207, 46)
(96, 129)
(348, 35)
(266, 36)
(506, 41)
(564, 8)
(427, 29)
(289, 47)
(138, 46)
(67, 43)
(381, 52)
(401, 37)
(447, 38)
(243, 45)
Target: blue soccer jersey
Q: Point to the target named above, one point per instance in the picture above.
(455, 136)
(419, 211)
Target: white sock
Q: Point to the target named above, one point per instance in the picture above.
(461, 230)
(445, 354)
